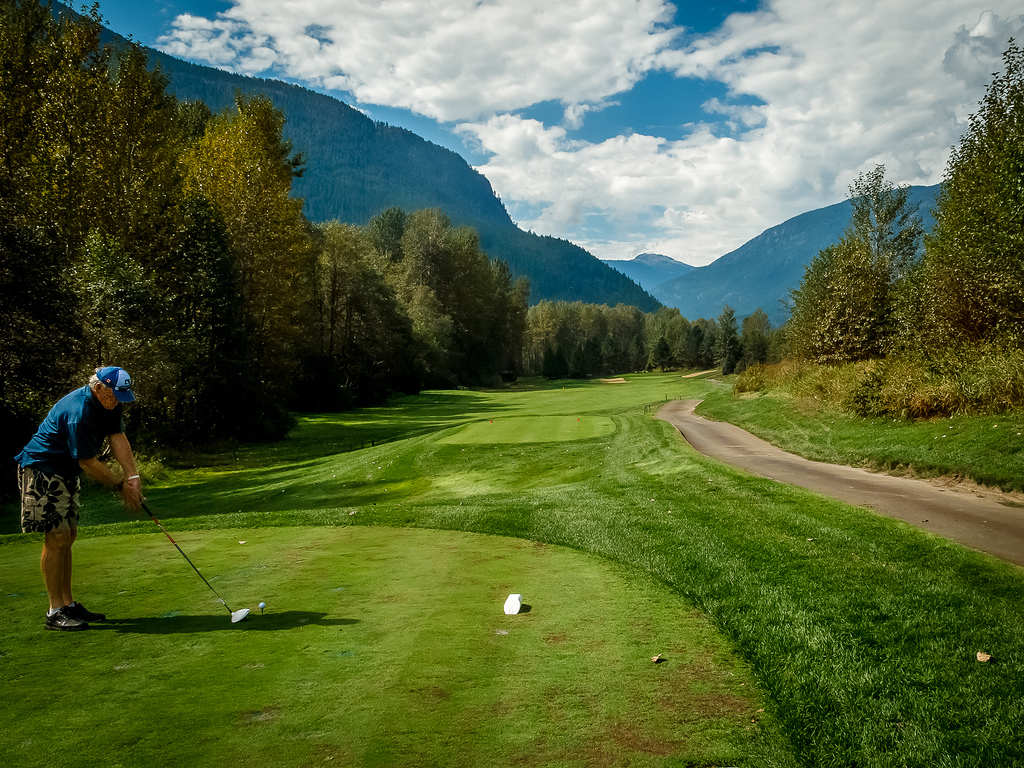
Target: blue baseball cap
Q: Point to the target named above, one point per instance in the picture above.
(119, 381)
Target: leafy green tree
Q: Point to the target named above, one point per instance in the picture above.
(626, 325)
(385, 231)
(202, 376)
(54, 89)
(38, 329)
(361, 346)
(708, 332)
(510, 305)
(139, 138)
(843, 309)
(243, 165)
(754, 339)
(554, 365)
(55, 92)
(971, 286)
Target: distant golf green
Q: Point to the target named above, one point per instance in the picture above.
(533, 429)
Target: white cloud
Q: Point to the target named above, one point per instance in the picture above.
(449, 59)
(221, 42)
(974, 52)
(837, 86)
(843, 88)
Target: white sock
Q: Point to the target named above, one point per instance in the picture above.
(52, 611)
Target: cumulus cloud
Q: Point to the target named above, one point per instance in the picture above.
(842, 88)
(817, 91)
(450, 59)
(974, 51)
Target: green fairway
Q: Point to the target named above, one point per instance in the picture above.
(861, 632)
(378, 647)
(534, 429)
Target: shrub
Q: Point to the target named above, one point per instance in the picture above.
(963, 381)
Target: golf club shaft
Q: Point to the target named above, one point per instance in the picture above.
(186, 557)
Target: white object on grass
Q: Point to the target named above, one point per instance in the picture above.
(513, 604)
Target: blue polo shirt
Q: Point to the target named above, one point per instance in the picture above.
(74, 429)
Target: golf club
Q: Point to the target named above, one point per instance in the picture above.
(236, 616)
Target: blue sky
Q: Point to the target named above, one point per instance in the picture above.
(629, 126)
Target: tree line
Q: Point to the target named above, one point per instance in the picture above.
(151, 233)
(577, 340)
(918, 311)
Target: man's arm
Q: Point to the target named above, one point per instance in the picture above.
(131, 488)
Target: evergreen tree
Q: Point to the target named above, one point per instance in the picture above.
(727, 341)
(754, 339)
(661, 355)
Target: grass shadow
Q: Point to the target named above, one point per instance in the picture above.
(169, 625)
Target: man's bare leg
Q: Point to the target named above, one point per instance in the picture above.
(55, 564)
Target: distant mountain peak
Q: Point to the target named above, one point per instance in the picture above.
(658, 260)
(649, 270)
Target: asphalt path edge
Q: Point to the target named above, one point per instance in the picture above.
(978, 521)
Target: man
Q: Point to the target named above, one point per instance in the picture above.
(67, 443)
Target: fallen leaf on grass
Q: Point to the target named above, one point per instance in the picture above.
(983, 657)
(657, 659)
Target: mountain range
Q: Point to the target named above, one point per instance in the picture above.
(762, 272)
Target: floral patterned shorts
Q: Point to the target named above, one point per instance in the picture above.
(49, 502)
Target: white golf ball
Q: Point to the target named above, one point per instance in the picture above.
(263, 605)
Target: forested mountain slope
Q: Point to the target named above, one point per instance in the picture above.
(357, 168)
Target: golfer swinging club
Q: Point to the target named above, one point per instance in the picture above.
(66, 444)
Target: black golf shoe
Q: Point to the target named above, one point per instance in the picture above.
(80, 612)
(64, 622)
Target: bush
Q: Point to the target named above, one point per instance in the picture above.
(985, 379)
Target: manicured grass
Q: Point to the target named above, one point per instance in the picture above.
(533, 429)
(987, 449)
(379, 647)
(861, 630)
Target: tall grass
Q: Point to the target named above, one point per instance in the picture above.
(984, 380)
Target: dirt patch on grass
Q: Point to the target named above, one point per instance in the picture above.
(619, 380)
(615, 745)
(264, 715)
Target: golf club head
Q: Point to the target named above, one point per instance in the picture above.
(238, 615)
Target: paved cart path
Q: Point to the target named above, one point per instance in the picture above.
(981, 522)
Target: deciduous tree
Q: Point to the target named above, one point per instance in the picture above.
(843, 308)
(971, 285)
